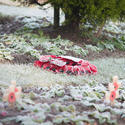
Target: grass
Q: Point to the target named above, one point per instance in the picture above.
(57, 104)
(28, 75)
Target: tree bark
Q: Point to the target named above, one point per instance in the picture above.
(56, 16)
(100, 30)
(73, 20)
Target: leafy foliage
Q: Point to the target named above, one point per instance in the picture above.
(95, 12)
(119, 43)
(36, 44)
(106, 45)
(5, 53)
(112, 44)
(93, 48)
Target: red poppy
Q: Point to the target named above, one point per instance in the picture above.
(115, 85)
(38, 63)
(46, 66)
(87, 69)
(11, 97)
(4, 114)
(16, 90)
(93, 68)
(83, 63)
(82, 70)
(112, 95)
(76, 70)
(54, 68)
(68, 69)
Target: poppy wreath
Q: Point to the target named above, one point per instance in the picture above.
(65, 64)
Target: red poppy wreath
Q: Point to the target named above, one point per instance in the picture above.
(65, 64)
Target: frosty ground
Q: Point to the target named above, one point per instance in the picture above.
(58, 98)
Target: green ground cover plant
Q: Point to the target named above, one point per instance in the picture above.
(56, 105)
(37, 44)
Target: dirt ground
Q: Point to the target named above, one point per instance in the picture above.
(25, 59)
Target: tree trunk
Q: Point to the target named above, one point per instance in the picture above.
(100, 30)
(67, 16)
(73, 24)
(56, 16)
(73, 20)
